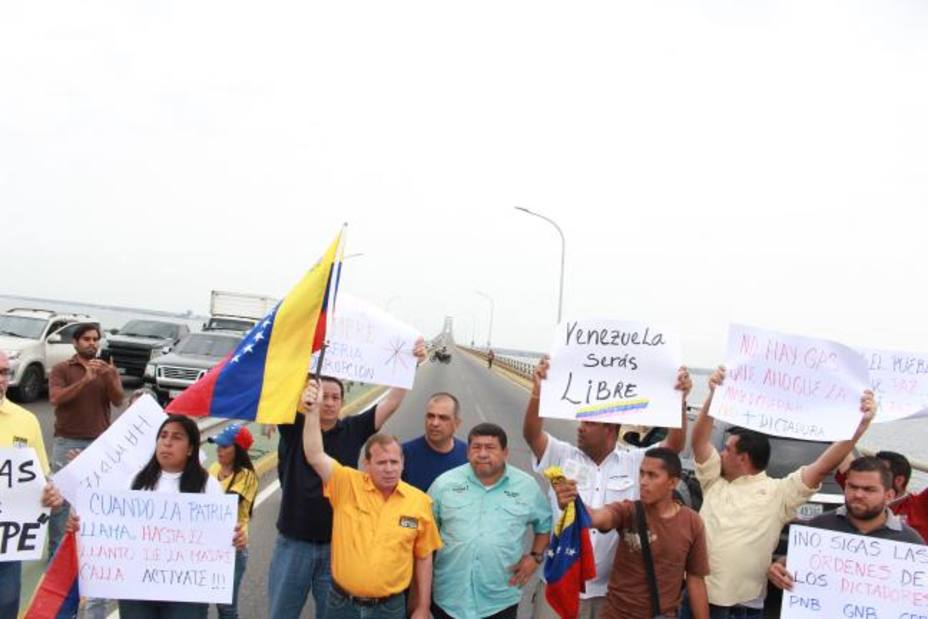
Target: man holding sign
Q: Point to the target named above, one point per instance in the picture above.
(744, 510)
(18, 429)
(867, 495)
(605, 472)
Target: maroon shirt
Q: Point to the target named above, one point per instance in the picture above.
(87, 415)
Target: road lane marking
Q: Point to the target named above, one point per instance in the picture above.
(480, 412)
(267, 492)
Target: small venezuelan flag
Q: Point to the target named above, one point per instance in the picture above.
(264, 376)
(569, 562)
(57, 596)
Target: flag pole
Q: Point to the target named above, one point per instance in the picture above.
(334, 277)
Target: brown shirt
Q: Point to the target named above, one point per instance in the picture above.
(87, 415)
(678, 545)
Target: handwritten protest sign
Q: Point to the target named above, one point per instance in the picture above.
(613, 371)
(900, 382)
(23, 520)
(368, 345)
(138, 545)
(117, 455)
(791, 386)
(842, 575)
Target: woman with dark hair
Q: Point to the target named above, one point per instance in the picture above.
(174, 467)
(236, 475)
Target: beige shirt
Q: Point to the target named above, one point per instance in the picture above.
(743, 521)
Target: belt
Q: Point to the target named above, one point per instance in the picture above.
(360, 601)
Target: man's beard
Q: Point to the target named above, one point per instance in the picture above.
(866, 516)
(87, 354)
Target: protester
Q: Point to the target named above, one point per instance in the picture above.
(19, 428)
(607, 472)
(483, 509)
(491, 356)
(236, 474)
(300, 562)
(911, 508)
(676, 537)
(744, 510)
(383, 531)
(436, 451)
(83, 390)
(175, 468)
(867, 496)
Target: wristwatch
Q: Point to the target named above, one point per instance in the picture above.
(538, 556)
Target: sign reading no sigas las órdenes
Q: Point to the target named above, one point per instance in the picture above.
(843, 575)
(789, 385)
(613, 371)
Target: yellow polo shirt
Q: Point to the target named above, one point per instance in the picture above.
(743, 520)
(20, 428)
(374, 540)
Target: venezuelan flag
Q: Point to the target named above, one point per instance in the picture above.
(263, 377)
(569, 562)
(57, 596)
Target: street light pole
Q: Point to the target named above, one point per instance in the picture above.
(490, 330)
(560, 295)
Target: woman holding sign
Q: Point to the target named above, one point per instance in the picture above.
(175, 467)
(236, 474)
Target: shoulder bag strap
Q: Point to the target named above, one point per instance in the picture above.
(642, 523)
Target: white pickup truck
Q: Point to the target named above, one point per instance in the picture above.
(236, 311)
(35, 340)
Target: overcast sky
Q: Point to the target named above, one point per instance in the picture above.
(709, 162)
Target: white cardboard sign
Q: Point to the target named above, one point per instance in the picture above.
(368, 345)
(613, 371)
(792, 386)
(23, 520)
(900, 382)
(843, 575)
(117, 455)
(138, 545)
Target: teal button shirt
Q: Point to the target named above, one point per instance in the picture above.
(483, 529)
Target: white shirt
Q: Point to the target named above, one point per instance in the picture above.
(616, 479)
(170, 482)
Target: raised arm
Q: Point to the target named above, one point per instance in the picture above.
(815, 473)
(312, 432)
(395, 396)
(676, 438)
(533, 429)
(702, 429)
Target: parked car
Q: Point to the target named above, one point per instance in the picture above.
(35, 340)
(140, 341)
(190, 360)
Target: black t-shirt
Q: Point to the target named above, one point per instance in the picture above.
(304, 513)
(836, 520)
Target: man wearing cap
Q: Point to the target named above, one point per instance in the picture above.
(18, 428)
(300, 563)
(236, 475)
(383, 531)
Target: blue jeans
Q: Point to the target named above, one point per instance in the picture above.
(298, 567)
(722, 612)
(138, 609)
(59, 518)
(340, 607)
(11, 573)
(230, 611)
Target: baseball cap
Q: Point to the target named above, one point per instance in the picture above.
(236, 433)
